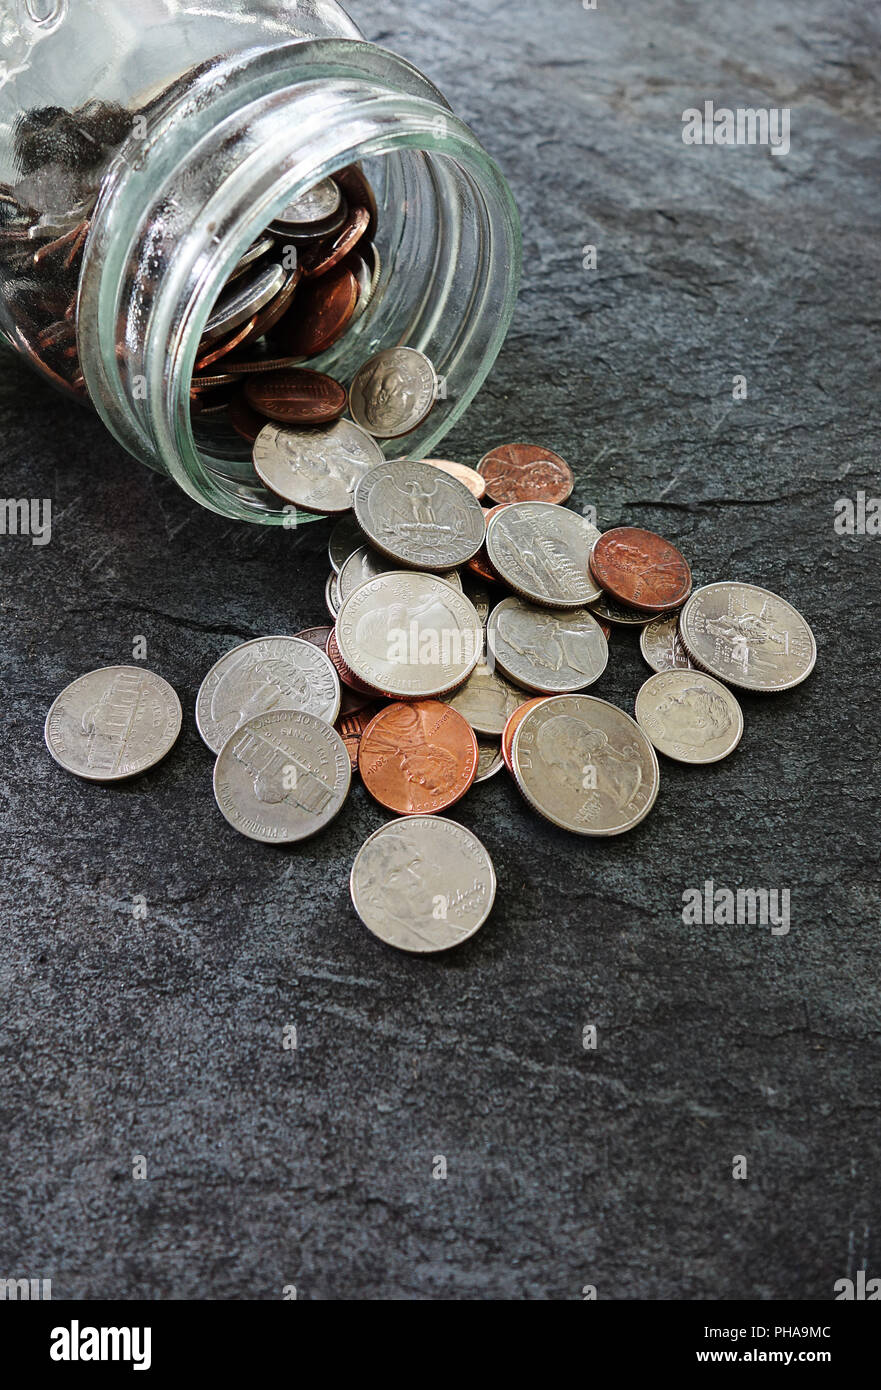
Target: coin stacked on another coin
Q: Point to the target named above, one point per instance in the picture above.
(464, 638)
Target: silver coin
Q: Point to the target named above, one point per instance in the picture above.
(489, 759)
(475, 590)
(423, 883)
(316, 467)
(364, 276)
(419, 516)
(282, 776)
(611, 611)
(542, 551)
(410, 635)
(689, 716)
(487, 700)
(268, 673)
(332, 595)
(393, 392)
(320, 202)
(585, 765)
(254, 252)
(366, 563)
(242, 300)
(747, 637)
(661, 645)
(345, 538)
(113, 723)
(550, 652)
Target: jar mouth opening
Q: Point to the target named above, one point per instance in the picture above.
(449, 252)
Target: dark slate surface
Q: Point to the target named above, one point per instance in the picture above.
(566, 1167)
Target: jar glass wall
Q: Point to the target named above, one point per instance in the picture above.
(208, 157)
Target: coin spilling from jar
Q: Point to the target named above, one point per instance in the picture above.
(463, 639)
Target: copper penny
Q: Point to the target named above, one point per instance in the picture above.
(513, 724)
(474, 482)
(243, 419)
(417, 758)
(316, 635)
(321, 313)
(358, 192)
(330, 253)
(238, 337)
(640, 569)
(347, 676)
(351, 725)
(297, 396)
(526, 473)
(480, 563)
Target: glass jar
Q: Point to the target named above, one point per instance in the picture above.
(143, 149)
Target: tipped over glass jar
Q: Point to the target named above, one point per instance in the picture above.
(171, 182)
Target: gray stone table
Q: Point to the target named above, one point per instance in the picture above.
(566, 1166)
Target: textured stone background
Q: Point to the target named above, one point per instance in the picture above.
(566, 1167)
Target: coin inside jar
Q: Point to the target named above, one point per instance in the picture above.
(641, 569)
(297, 396)
(418, 758)
(320, 314)
(393, 392)
(689, 716)
(526, 473)
(242, 300)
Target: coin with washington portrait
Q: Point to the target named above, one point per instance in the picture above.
(423, 884)
(410, 635)
(393, 392)
(585, 765)
(317, 468)
(540, 649)
(689, 716)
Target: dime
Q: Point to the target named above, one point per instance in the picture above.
(329, 253)
(526, 473)
(489, 759)
(410, 635)
(297, 396)
(611, 611)
(316, 468)
(282, 776)
(418, 758)
(486, 699)
(418, 515)
(320, 202)
(345, 538)
(268, 673)
(113, 723)
(393, 392)
(641, 569)
(242, 300)
(332, 595)
(366, 563)
(747, 637)
(545, 650)
(689, 716)
(661, 645)
(410, 868)
(475, 484)
(542, 551)
(513, 724)
(351, 726)
(585, 765)
(321, 313)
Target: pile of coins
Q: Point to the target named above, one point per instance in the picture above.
(463, 639)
